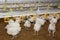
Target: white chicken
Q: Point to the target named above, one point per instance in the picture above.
(52, 28)
(38, 24)
(13, 28)
(37, 28)
(27, 24)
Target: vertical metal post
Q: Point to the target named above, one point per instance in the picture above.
(38, 6)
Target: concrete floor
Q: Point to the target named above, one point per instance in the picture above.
(29, 34)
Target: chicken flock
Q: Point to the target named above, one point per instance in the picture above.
(13, 27)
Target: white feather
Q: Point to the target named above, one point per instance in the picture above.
(13, 28)
(31, 19)
(27, 23)
(37, 27)
(40, 21)
(52, 27)
(53, 20)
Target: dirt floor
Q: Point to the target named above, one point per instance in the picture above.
(29, 34)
